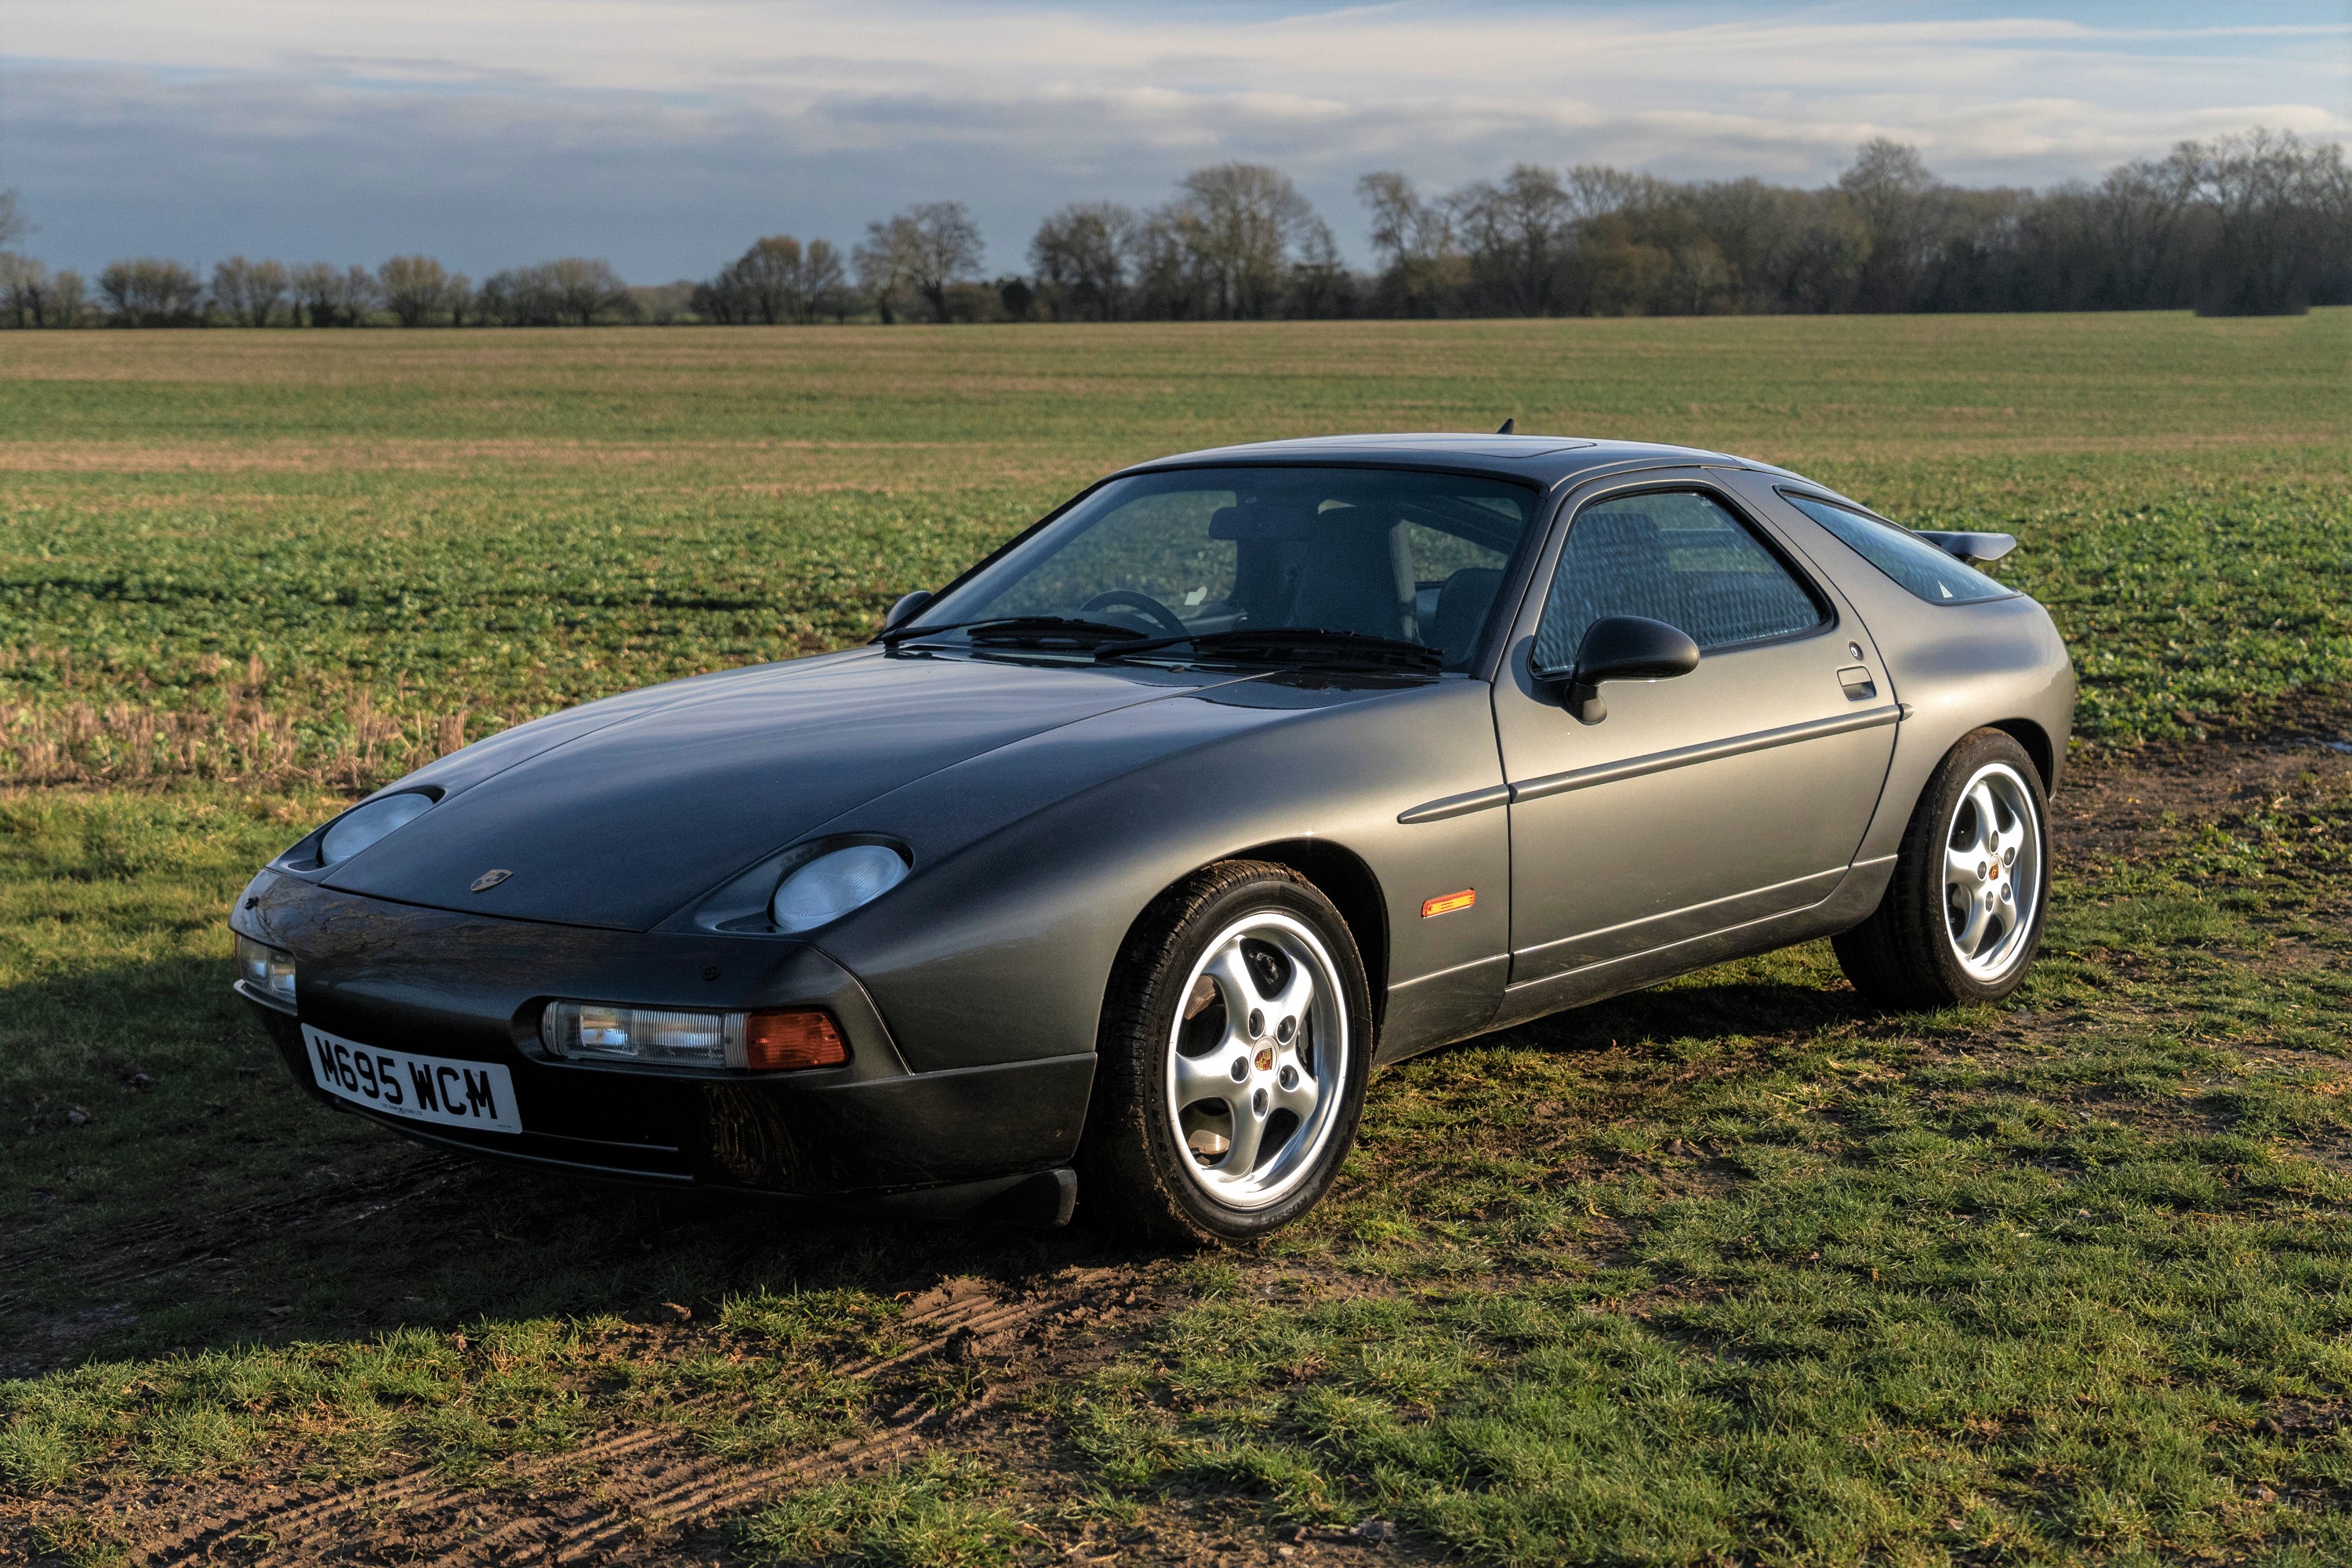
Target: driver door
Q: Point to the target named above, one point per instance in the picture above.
(1699, 803)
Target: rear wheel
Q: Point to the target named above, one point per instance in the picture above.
(1962, 916)
(1234, 1049)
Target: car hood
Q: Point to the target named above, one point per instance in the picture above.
(631, 810)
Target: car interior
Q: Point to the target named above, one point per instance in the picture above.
(1414, 557)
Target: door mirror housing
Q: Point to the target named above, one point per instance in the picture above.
(907, 606)
(1621, 647)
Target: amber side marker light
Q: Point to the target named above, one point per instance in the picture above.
(1446, 903)
(778, 1042)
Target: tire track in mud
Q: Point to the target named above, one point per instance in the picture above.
(629, 1489)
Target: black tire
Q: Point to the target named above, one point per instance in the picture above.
(1907, 955)
(1138, 1173)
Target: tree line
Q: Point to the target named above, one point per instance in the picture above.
(2257, 223)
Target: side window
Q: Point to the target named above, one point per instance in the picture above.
(1924, 570)
(1674, 556)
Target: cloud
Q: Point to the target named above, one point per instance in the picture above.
(663, 134)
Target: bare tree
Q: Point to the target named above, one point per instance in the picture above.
(825, 283)
(2282, 212)
(248, 293)
(151, 293)
(1596, 190)
(14, 224)
(315, 285)
(355, 296)
(458, 294)
(24, 289)
(1167, 285)
(588, 291)
(1319, 285)
(1243, 225)
(1517, 235)
(1898, 201)
(415, 288)
(925, 250)
(2140, 211)
(68, 301)
(776, 280)
(33, 296)
(1080, 256)
(1423, 270)
(575, 291)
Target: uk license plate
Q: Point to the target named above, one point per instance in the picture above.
(447, 1093)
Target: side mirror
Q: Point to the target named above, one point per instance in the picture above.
(1621, 648)
(907, 606)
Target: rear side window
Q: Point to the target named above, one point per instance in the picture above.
(1675, 556)
(1922, 569)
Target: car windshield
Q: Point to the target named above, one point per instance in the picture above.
(1243, 555)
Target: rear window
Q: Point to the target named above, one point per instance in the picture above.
(1922, 569)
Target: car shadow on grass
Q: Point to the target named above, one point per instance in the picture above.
(203, 1200)
(173, 1189)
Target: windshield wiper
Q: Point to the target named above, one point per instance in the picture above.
(1305, 645)
(1027, 630)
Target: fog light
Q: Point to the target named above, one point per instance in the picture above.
(690, 1036)
(266, 970)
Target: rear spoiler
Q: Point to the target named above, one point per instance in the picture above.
(1975, 549)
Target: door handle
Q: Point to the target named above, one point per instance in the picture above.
(1858, 683)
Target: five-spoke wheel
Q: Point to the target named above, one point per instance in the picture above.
(1962, 915)
(1234, 1049)
(1256, 1059)
(1992, 870)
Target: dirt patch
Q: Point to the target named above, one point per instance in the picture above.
(630, 1494)
(2128, 802)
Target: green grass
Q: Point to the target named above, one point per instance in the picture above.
(2065, 1282)
(933, 1515)
(1733, 1271)
(237, 554)
(1732, 1268)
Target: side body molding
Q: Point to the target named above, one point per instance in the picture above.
(1683, 756)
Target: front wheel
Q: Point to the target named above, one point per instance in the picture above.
(1235, 1044)
(1962, 915)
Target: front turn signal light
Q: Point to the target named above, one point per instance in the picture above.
(692, 1036)
(779, 1042)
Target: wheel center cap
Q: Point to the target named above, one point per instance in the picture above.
(1265, 1060)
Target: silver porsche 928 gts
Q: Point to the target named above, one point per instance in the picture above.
(1110, 871)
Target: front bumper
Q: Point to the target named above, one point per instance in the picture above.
(437, 983)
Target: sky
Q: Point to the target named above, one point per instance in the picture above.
(664, 135)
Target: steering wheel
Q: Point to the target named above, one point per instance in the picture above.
(1142, 603)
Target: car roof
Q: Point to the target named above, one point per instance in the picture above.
(1546, 459)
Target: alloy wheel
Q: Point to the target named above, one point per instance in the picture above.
(1992, 871)
(1257, 1060)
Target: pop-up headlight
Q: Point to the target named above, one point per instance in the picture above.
(266, 970)
(356, 829)
(830, 886)
(690, 1036)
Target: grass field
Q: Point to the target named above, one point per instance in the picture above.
(1734, 1271)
